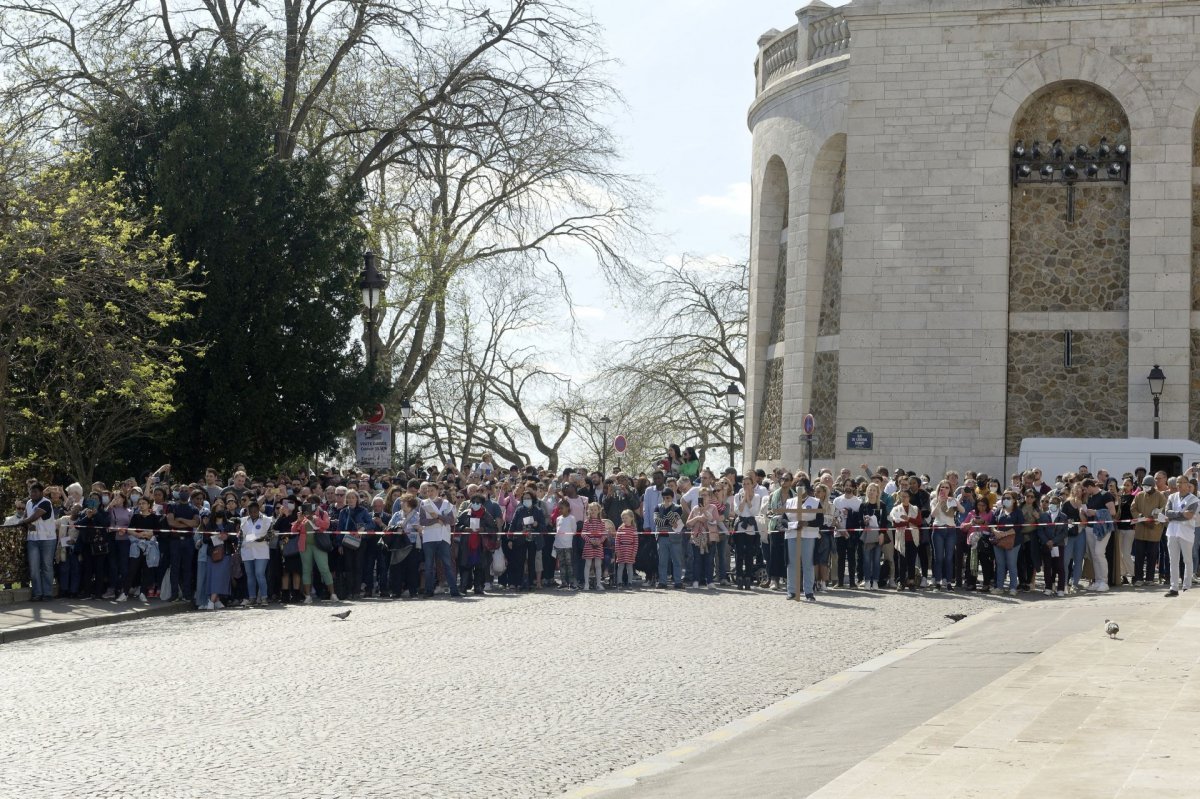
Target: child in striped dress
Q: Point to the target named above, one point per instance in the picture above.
(626, 546)
(594, 535)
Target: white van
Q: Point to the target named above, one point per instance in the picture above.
(1055, 456)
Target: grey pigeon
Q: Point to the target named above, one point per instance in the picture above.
(956, 617)
(1111, 628)
(343, 616)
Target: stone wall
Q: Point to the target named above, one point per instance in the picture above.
(830, 322)
(770, 417)
(1195, 232)
(1069, 266)
(1194, 390)
(1056, 264)
(1087, 400)
(839, 190)
(779, 301)
(825, 404)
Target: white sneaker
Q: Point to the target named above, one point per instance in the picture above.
(108, 594)
(308, 599)
(924, 582)
(219, 605)
(142, 596)
(696, 584)
(1060, 593)
(487, 586)
(1012, 592)
(712, 586)
(1047, 592)
(123, 597)
(600, 587)
(1100, 587)
(245, 603)
(208, 606)
(334, 598)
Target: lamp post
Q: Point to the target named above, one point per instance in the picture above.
(371, 284)
(604, 420)
(733, 397)
(405, 413)
(1156, 380)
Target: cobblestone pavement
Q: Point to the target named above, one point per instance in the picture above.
(501, 696)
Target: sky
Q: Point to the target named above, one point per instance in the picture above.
(686, 71)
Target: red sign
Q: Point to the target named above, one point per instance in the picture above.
(619, 444)
(376, 415)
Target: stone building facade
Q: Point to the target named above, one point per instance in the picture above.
(901, 281)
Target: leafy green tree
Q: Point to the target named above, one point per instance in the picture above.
(89, 293)
(278, 249)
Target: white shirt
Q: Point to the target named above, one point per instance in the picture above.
(891, 487)
(44, 528)
(254, 538)
(794, 524)
(748, 506)
(691, 497)
(844, 505)
(434, 526)
(564, 535)
(1185, 530)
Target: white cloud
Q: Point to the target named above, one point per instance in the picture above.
(735, 200)
(589, 312)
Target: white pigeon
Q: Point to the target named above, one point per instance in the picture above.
(1111, 628)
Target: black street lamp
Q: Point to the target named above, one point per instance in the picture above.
(604, 420)
(733, 398)
(405, 414)
(371, 283)
(1156, 379)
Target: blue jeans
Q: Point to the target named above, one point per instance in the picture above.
(791, 566)
(182, 548)
(256, 578)
(70, 573)
(702, 564)
(201, 576)
(118, 563)
(808, 548)
(1076, 546)
(871, 558)
(1006, 561)
(436, 551)
(721, 565)
(670, 559)
(943, 553)
(41, 566)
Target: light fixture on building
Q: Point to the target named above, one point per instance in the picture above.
(1019, 149)
(1103, 150)
(1047, 172)
(1024, 170)
(1037, 151)
(1122, 151)
(1064, 163)
(1056, 149)
(1081, 151)
(1114, 169)
(1092, 171)
(1070, 172)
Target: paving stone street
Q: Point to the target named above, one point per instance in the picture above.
(502, 696)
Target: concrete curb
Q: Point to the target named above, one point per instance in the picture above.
(687, 750)
(43, 629)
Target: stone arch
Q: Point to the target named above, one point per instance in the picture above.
(773, 215)
(824, 289)
(1061, 262)
(1069, 63)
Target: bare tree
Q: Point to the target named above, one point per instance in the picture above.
(679, 372)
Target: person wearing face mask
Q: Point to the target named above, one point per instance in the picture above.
(1030, 559)
(1052, 539)
(1005, 529)
(526, 529)
(1148, 531)
(475, 523)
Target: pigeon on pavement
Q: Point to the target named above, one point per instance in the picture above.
(956, 617)
(1111, 628)
(343, 616)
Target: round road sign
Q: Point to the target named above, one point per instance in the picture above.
(619, 444)
(810, 424)
(376, 415)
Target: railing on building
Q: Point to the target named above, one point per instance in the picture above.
(820, 33)
(14, 563)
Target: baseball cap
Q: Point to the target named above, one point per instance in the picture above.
(1148, 481)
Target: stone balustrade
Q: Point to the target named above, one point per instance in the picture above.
(821, 33)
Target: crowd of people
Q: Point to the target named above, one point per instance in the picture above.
(337, 536)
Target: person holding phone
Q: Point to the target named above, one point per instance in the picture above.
(353, 521)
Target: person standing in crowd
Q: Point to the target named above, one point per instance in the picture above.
(1147, 531)
(1182, 507)
(1100, 509)
(847, 509)
(943, 510)
(256, 530)
(183, 519)
(437, 517)
(40, 540)
(593, 546)
(353, 521)
(1051, 538)
(906, 518)
(978, 524)
(311, 524)
(874, 520)
(776, 526)
(143, 551)
(218, 569)
(527, 526)
(1073, 509)
(564, 538)
(668, 526)
(1006, 527)
(746, 506)
(626, 547)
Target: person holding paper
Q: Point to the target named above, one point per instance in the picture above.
(1052, 538)
(526, 528)
(255, 529)
(1182, 517)
(437, 515)
(474, 523)
(1148, 507)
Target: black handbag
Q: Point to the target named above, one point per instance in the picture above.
(323, 542)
